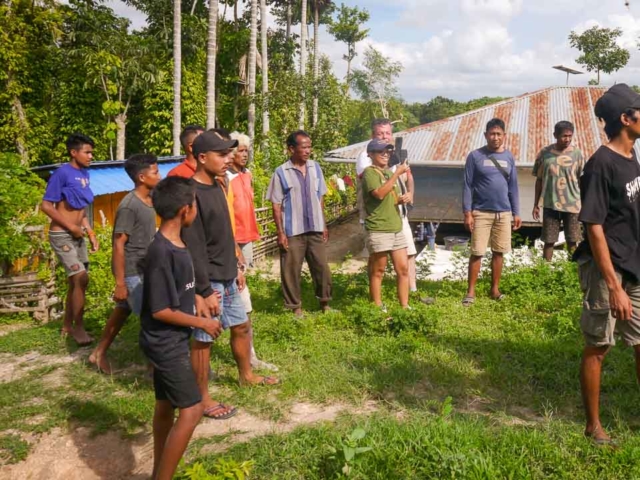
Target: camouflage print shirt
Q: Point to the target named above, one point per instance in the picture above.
(559, 173)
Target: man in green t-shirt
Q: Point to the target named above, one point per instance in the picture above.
(381, 197)
(558, 168)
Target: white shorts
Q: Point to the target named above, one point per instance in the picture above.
(408, 233)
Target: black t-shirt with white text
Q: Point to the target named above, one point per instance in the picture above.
(610, 194)
(169, 282)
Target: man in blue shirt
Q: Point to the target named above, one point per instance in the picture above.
(65, 200)
(489, 201)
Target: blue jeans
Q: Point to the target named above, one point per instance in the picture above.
(232, 311)
(133, 303)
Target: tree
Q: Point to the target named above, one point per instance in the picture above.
(599, 50)
(319, 7)
(347, 29)
(212, 48)
(253, 48)
(303, 59)
(265, 69)
(177, 74)
(376, 82)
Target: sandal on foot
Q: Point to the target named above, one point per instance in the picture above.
(267, 381)
(499, 298)
(468, 301)
(220, 407)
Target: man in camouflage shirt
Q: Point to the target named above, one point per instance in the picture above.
(558, 168)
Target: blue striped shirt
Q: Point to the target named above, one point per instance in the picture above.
(300, 196)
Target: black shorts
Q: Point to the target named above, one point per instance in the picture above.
(174, 381)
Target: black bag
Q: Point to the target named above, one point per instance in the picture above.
(499, 167)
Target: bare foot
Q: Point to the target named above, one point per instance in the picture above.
(258, 380)
(101, 363)
(80, 335)
(298, 312)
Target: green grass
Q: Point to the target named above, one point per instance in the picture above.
(510, 367)
(12, 449)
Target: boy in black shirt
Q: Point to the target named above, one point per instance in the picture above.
(168, 315)
(134, 229)
(609, 257)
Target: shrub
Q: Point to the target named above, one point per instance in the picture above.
(20, 193)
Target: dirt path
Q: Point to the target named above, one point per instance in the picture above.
(61, 455)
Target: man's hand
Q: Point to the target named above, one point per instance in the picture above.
(325, 235)
(283, 242)
(76, 231)
(469, 222)
(201, 308)
(94, 243)
(517, 222)
(212, 326)
(536, 213)
(241, 281)
(213, 304)
(121, 293)
(620, 304)
(402, 169)
(404, 199)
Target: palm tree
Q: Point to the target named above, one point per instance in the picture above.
(177, 73)
(265, 70)
(253, 48)
(318, 7)
(303, 59)
(212, 47)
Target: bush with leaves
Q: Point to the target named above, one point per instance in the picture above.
(20, 194)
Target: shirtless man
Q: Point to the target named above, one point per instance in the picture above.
(65, 199)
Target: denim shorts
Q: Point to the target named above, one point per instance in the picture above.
(133, 303)
(232, 310)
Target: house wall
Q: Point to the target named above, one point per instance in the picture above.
(438, 196)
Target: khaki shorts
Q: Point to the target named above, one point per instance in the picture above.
(378, 242)
(408, 234)
(491, 226)
(597, 324)
(71, 252)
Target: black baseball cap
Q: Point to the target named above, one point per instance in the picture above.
(615, 101)
(211, 142)
(377, 145)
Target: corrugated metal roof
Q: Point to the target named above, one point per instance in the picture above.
(109, 176)
(114, 179)
(529, 120)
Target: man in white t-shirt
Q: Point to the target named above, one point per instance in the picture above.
(382, 130)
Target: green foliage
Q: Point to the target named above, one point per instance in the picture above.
(350, 450)
(223, 469)
(347, 28)
(600, 52)
(441, 107)
(13, 449)
(20, 193)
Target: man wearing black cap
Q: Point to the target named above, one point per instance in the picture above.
(218, 271)
(609, 257)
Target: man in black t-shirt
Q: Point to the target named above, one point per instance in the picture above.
(168, 315)
(609, 257)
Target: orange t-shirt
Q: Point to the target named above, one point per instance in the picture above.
(244, 209)
(183, 170)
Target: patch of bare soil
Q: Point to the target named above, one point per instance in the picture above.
(77, 455)
(14, 367)
(13, 327)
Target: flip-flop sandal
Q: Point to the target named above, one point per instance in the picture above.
(468, 301)
(209, 412)
(265, 382)
(499, 298)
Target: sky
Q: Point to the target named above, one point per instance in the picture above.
(465, 49)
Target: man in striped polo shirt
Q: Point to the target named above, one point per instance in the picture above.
(296, 191)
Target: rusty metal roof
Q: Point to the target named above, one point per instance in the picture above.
(529, 120)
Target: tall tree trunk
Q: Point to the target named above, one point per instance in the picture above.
(303, 61)
(253, 48)
(316, 62)
(265, 73)
(348, 77)
(121, 126)
(212, 46)
(177, 74)
(289, 19)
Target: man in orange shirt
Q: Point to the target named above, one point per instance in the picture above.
(187, 168)
(240, 188)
